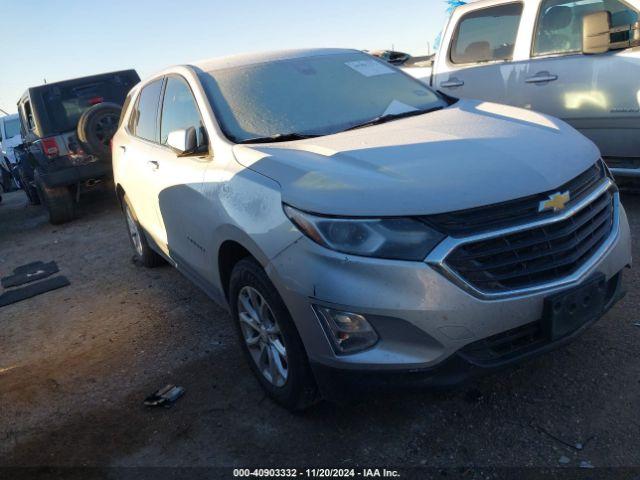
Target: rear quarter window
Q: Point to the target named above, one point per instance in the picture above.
(143, 121)
(123, 113)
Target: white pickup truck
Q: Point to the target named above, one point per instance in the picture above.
(575, 60)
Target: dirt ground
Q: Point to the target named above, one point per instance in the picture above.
(76, 364)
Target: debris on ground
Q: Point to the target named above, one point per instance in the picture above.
(29, 273)
(33, 274)
(578, 446)
(32, 290)
(564, 460)
(586, 464)
(165, 397)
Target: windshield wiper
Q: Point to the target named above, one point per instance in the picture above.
(392, 116)
(280, 137)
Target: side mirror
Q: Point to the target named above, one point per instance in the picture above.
(183, 141)
(596, 33)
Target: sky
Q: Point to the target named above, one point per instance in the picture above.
(57, 40)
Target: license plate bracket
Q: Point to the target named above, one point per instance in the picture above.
(567, 311)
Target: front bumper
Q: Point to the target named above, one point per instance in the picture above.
(426, 323)
(473, 361)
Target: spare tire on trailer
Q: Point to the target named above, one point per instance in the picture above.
(96, 127)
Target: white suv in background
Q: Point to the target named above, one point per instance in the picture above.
(363, 229)
(10, 138)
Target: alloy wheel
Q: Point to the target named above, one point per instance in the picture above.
(134, 233)
(262, 335)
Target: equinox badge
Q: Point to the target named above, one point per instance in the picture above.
(556, 202)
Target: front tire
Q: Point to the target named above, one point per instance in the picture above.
(143, 254)
(7, 179)
(29, 190)
(269, 338)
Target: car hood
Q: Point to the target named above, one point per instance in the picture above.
(467, 155)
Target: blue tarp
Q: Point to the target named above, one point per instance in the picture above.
(453, 4)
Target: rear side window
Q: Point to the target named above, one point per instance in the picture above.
(179, 111)
(144, 116)
(559, 27)
(28, 116)
(487, 35)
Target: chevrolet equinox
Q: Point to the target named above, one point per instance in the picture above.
(364, 230)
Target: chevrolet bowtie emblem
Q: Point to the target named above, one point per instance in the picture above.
(556, 202)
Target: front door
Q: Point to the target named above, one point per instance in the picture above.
(478, 63)
(181, 206)
(596, 94)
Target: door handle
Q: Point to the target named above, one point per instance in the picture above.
(542, 77)
(153, 164)
(452, 83)
(123, 148)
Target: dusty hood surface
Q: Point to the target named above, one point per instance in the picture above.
(470, 154)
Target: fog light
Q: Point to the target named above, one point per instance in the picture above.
(349, 332)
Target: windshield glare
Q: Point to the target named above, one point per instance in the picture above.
(315, 95)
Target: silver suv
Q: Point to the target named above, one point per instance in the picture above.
(364, 230)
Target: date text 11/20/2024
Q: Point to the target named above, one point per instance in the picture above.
(316, 473)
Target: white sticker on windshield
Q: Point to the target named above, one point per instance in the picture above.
(396, 107)
(369, 68)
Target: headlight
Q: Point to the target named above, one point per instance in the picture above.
(393, 238)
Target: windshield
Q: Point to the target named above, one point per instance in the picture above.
(11, 128)
(316, 95)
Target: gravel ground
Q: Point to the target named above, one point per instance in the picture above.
(76, 363)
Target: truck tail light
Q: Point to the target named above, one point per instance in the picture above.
(50, 147)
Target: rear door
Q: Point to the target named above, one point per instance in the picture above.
(478, 60)
(140, 157)
(596, 94)
(180, 203)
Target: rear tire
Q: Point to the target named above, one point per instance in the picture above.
(143, 254)
(57, 200)
(298, 390)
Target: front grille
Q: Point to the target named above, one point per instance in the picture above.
(506, 345)
(538, 255)
(507, 214)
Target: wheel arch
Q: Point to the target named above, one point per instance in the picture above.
(230, 253)
(120, 193)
